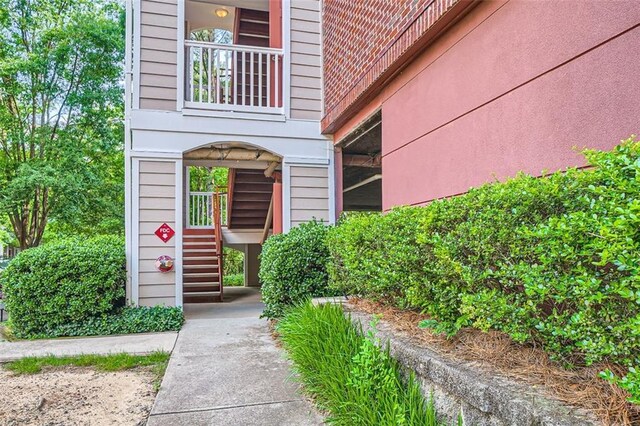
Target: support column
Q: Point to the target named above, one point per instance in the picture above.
(277, 204)
(337, 156)
(251, 265)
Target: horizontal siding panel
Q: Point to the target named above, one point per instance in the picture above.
(168, 167)
(153, 240)
(305, 15)
(310, 192)
(156, 68)
(153, 31)
(306, 93)
(158, 104)
(306, 104)
(148, 227)
(309, 182)
(310, 203)
(306, 4)
(300, 114)
(310, 214)
(157, 203)
(304, 59)
(153, 301)
(157, 191)
(166, 81)
(157, 290)
(158, 44)
(306, 37)
(157, 179)
(305, 70)
(309, 171)
(309, 82)
(304, 48)
(152, 253)
(147, 266)
(157, 278)
(159, 56)
(156, 218)
(159, 21)
(305, 26)
(162, 93)
(159, 8)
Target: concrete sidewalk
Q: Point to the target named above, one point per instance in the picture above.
(227, 370)
(138, 344)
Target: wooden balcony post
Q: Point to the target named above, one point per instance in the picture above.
(277, 204)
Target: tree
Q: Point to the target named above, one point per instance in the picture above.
(61, 111)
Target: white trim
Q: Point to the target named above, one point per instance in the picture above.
(155, 155)
(306, 161)
(286, 198)
(322, 113)
(332, 185)
(137, 29)
(214, 113)
(180, 59)
(135, 232)
(178, 236)
(233, 108)
(286, 65)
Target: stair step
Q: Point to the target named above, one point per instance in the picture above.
(199, 239)
(187, 279)
(199, 254)
(252, 196)
(197, 269)
(257, 221)
(202, 298)
(193, 246)
(208, 232)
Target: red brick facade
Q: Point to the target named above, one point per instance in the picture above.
(361, 42)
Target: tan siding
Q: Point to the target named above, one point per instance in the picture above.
(157, 205)
(309, 194)
(158, 54)
(306, 82)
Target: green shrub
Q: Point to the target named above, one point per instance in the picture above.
(64, 282)
(293, 267)
(347, 374)
(552, 260)
(233, 280)
(124, 321)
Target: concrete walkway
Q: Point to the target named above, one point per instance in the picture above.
(227, 370)
(138, 344)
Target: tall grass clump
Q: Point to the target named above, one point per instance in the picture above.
(347, 372)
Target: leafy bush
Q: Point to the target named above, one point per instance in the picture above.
(347, 374)
(553, 260)
(124, 321)
(234, 280)
(293, 267)
(64, 282)
(77, 288)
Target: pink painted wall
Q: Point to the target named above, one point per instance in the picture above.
(513, 86)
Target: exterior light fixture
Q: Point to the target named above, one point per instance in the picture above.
(221, 13)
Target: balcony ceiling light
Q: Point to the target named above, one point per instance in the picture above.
(221, 13)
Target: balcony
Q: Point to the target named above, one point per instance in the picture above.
(227, 77)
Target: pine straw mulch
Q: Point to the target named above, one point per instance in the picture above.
(580, 387)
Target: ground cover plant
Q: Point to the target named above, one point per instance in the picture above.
(76, 287)
(552, 260)
(293, 267)
(347, 373)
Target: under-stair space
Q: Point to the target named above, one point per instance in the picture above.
(250, 192)
(201, 280)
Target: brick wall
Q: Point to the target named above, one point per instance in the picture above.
(363, 39)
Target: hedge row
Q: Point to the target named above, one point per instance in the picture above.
(76, 287)
(552, 260)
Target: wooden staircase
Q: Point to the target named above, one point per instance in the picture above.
(250, 195)
(201, 278)
(251, 29)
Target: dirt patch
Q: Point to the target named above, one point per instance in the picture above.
(76, 396)
(496, 352)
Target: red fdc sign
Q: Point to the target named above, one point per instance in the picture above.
(165, 233)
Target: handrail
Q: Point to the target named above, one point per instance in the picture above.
(235, 47)
(267, 222)
(231, 183)
(218, 234)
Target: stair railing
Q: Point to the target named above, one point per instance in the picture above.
(217, 223)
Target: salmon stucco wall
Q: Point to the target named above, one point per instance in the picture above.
(513, 86)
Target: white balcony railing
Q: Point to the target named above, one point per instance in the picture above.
(200, 209)
(233, 78)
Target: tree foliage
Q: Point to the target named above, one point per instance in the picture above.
(60, 115)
